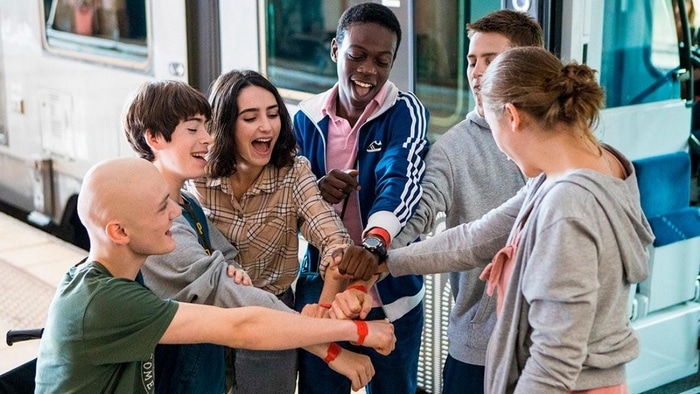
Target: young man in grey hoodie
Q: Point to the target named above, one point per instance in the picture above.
(465, 177)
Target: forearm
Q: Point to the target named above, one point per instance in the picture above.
(262, 331)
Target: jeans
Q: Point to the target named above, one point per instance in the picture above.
(394, 374)
(265, 372)
(462, 378)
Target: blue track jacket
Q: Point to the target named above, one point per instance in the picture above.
(392, 145)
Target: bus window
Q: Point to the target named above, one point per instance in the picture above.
(640, 61)
(108, 31)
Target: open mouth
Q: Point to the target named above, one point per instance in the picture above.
(200, 156)
(262, 145)
(362, 88)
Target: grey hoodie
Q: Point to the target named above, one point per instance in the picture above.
(564, 324)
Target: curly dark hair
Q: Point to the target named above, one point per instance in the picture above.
(224, 102)
(369, 13)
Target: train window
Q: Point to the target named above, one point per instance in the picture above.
(299, 35)
(640, 62)
(441, 47)
(108, 31)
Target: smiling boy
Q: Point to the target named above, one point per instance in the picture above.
(366, 140)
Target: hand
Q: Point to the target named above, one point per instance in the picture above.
(337, 184)
(239, 275)
(359, 263)
(356, 367)
(380, 336)
(315, 310)
(351, 304)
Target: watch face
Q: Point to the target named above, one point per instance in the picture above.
(372, 242)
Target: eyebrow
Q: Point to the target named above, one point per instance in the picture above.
(257, 110)
(164, 202)
(381, 53)
(483, 54)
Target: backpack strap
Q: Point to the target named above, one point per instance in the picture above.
(194, 214)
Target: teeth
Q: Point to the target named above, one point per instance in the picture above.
(263, 139)
(363, 84)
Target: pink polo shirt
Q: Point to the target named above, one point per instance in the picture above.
(342, 154)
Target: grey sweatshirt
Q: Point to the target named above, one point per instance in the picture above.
(466, 176)
(564, 324)
(188, 274)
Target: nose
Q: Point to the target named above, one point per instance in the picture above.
(205, 137)
(265, 124)
(367, 67)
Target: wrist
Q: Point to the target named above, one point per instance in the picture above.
(361, 288)
(332, 352)
(362, 331)
(381, 233)
(376, 246)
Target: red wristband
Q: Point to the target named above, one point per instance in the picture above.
(333, 352)
(381, 233)
(362, 331)
(327, 306)
(361, 288)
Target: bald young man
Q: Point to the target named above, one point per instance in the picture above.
(103, 326)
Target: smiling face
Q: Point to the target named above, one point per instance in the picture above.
(258, 126)
(149, 221)
(364, 59)
(184, 157)
(483, 48)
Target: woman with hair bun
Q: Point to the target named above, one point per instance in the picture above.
(567, 246)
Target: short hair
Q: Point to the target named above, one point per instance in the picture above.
(518, 27)
(159, 106)
(536, 82)
(224, 102)
(369, 13)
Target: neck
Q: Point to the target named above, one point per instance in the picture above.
(174, 182)
(566, 152)
(243, 179)
(117, 262)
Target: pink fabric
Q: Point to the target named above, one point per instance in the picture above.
(341, 153)
(617, 389)
(500, 269)
(498, 273)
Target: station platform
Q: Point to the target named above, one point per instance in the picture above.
(32, 264)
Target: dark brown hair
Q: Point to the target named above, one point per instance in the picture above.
(159, 106)
(518, 27)
(224, 102)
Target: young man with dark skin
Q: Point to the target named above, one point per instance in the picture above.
(366, 141)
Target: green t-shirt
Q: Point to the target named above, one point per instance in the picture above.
(100, 334)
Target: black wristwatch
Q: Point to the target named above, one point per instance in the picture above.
(375, 246)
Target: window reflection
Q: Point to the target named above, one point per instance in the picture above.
(113, 31)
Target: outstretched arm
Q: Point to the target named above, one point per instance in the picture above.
(356, 367)
(258, 328)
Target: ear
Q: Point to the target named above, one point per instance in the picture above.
(116, 233)
(154, 141)
(514, 117)
(334, 50)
